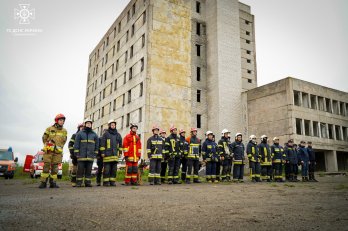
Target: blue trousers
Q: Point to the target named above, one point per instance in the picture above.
(210, 170)
(305, 168)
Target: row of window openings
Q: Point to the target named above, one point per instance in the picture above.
(122, 119)
(198, 74)
(323, 130)
(106, 43)
(130, 76)
(102, 95)
(320, 103)
(105, 60)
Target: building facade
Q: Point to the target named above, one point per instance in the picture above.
(182, 63)
(293, 108)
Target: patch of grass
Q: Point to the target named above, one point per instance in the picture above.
(321, 174)
(273, 185)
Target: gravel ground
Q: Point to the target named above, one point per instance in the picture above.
(230, 206)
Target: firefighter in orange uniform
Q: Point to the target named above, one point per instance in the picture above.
(132, 153)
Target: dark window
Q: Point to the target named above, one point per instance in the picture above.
(249, 71)
(248, 61)
(130, 73)
(338, 132)
(105, 75)
(247, 41)
(141, 89)
(297, 98)
(140, 114)
(115, 86)
(305, 100)
(114, 107)
(198, 95)
(127, 35)
(328, 105)
(313, 101)
(250, 81)
(131, 52)
(331, 131)
(102, 112)
(128, 16)
(142, 64)
(198, 28)
(128, 119)
(119, 27)
(133, 30)
(133, 9)
(247, 33)
(129, 96)
(143, 41)
(124, 78)
(299, 126)
(198, 74)
(117, 65)
(107, 41)
(144, 17)
(307, 127)
(113, 50)
(198, 121)
(198, 7)
(247, 22)
(118, 45)
(198, 48)
(315, 129)
(248, 52)
(123, 100)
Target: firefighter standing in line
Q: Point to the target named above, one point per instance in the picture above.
(111, 150)
(286, 165)
(304, 160)
(164, 161)
(210, 156)
(225, 155)
(291, 159)
(155, 150)
(99, 164)
(72, 156)
(173, 151)
(237, 148)
(85, 149)
(254, 159)
(184, 153)
(266, 159)
(298, 163)
(312, 163)
(132, 153)
(54, 140)
(193, 157)
(278, 158)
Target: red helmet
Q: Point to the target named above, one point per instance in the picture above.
(80, 125)
(163, 131)
(58, 117)
(181, 131)
(155, 127)
(172, 128)
(193, 129)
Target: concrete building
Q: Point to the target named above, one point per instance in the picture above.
(167, 62)
(292, 108)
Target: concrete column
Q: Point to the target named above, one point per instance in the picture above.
(331, 161)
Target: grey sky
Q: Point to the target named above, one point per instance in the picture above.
(303, 39)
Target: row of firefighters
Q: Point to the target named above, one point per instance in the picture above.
(265, 162)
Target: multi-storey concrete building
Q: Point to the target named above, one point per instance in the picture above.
(168, 62)
(292, 108)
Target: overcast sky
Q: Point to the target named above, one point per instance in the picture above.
(45, 73)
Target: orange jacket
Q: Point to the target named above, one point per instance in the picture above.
(132, 147)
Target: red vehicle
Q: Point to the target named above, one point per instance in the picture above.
(34, 165)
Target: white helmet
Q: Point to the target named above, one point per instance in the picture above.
(252, 137)
(263, 136)
(87, 120)
(208, 133)
(275, 138)
(224, 131)
(238, 134)
(111, 121)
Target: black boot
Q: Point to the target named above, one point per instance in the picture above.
(53, 184)
(295, 179)
(151, 182)
(157, 181)
(73, 181)
(88, 184)
(183, 176)
(43, 185)
(253, 179)
(113, 184)
(106, 183)
(188, 181)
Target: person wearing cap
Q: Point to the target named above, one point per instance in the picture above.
(254, 159)
(86, 148)
(225, 155)
(184, 153)
(291, 160)
(312, 163)
(237, 148)
(278, 158)
(304, 160)
(266, 159)
(110, 151)
(72, 156)
(155, 151)
(54, 140)
(210, 156)
(132, 154)
(174, 153)
(164, 161)
(194, 154)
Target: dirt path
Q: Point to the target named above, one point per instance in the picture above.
(248, 206)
